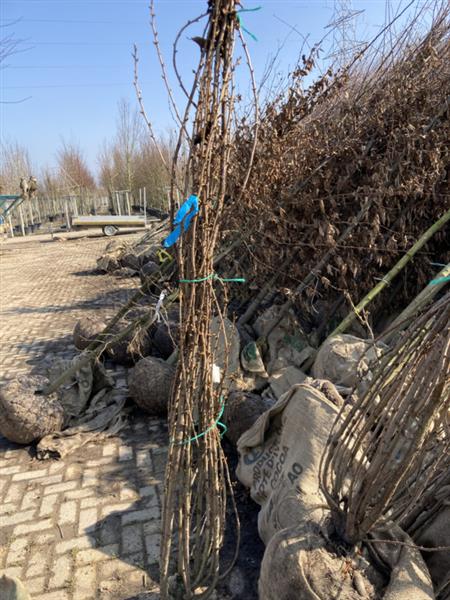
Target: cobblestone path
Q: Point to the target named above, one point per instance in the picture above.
(86, 527)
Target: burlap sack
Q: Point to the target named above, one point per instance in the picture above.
(286, 343)
(75, 393)
(280, 456)
(345, 360)
(301, 563)
(437, 535)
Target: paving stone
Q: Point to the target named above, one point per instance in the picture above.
(67, 512)
(44, 538)
(60, 487)
(148, 490)
(61, 572)
(89, 478)
(132, 539)
(15, 493)
(88, 520)
(96, 555)
(10, 470)
(48, 505)
(111, 568)
(110, 449)
(17, 551)
(7, 508)
(29, 527)
(59, 595)
(84, 583)
(76, 494)
(37, 563)
(48, 479)
(31, 499)
(113, 508)
(36, 585)
(13, 572)
(29, 475)
(79, 543)
(125, 453)
(143, 458)
(152, 547)
(141, 515)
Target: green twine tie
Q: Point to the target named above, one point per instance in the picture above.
(241, 24)
(214, 276)
(203, 433)
(440, 280)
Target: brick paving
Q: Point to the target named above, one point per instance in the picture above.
(45, 287)
(86, 527)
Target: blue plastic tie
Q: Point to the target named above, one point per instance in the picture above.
(183, 218)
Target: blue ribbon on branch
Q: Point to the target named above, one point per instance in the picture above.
(240, 20)
(183, 218)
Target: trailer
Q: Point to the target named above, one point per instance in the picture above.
(110, 224)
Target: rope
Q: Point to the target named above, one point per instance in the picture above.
(214, 276)
(203, 433)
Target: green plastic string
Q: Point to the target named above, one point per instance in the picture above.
(217, 422)
(214, 276)
(440, 280)
(241, 24)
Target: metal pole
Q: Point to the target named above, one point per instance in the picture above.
(10, 226)
(38, 211)
(66, 205)
(128, 204)
(75, 212)
(140, 197)
(30, 210)
(118, 203)
(145, 206)
(22, 224)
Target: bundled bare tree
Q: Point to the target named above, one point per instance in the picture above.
(131, 161)
(15, 165)
(74, 173)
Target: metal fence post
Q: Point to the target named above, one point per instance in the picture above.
(145, 206)
(22, 224)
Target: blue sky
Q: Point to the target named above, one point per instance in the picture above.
(76, 61)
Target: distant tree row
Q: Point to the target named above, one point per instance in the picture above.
(127, 162)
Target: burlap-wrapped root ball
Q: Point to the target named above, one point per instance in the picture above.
(130, 261)
(166, 338)
(241, 411)
(297, 564)
(150, 383)
(26, 417)
(86, 330)
(131, 348)
(147, 270)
